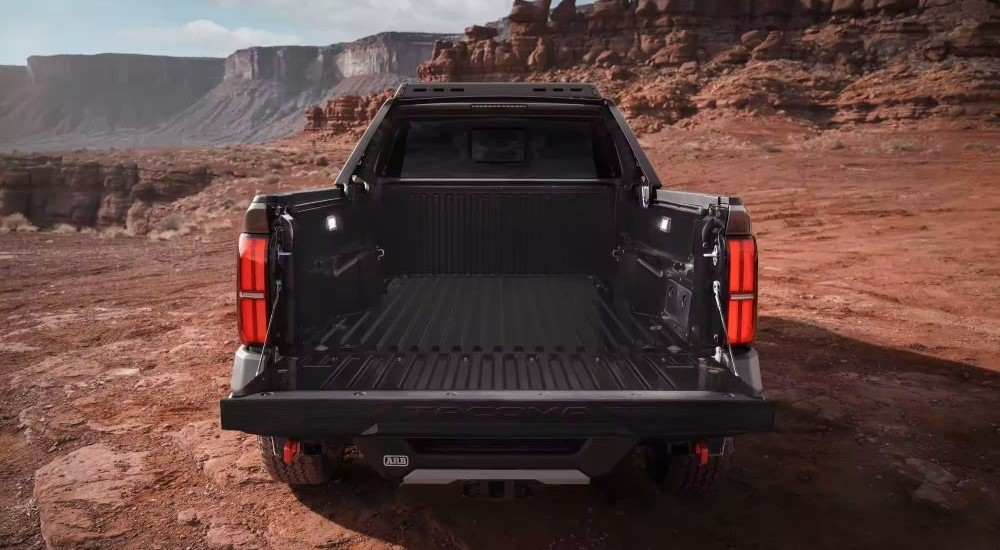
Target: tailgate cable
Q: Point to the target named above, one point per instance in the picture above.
(717, 290)
(270, 323)
(277, 291)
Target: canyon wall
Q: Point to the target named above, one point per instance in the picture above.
(187, 76)
(48, 190)
(828, 61)
(108, 94)
(266, 89)
(256, 94)
(386, 53)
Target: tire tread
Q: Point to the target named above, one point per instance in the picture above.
(304, 470)
(687, 477)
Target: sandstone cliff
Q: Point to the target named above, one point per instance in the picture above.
(266, 89)
(395, 53)
(825, 61)
(70, 101)
(48, 190)
(109, 94)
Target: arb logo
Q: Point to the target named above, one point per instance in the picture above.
(396, 461)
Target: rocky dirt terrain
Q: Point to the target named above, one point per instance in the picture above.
(880, 340)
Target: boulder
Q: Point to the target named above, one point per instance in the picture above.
(773, 47)
(617, 72)
(564, 16)
(752, 39)
(529, 18)
(526, 11)
(976, 39)
(71, 490)
(479, 32)
(681, 47)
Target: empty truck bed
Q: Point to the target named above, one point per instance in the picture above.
(502, 333)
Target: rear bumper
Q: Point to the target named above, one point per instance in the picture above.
(534, 414)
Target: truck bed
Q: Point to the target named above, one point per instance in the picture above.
(552, 333)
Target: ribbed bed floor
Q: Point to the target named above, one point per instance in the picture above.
(493, 333)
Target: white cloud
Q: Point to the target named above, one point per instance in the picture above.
(208, 37)
(348, 20)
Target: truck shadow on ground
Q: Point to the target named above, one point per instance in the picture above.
(828, 475)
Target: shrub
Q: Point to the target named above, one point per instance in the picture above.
(899, 146)
(14, 222)
(976, 146)
(770, 148)
(322, 161)
(837, 145)
(116, 231)
(186, 229)
(172, 222)
(161, 235)
(216, 225)
(63, 228)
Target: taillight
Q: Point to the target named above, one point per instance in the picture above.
(251, 301)
(741, 319)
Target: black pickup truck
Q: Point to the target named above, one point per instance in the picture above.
(497, 291)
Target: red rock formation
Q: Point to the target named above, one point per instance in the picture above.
(753, 55)
(824, 61)
(478, 32)
(529, 18)
(315, 118)
(346, 114)
(668, 33)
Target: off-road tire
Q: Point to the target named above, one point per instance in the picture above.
(305, 469)
(684, 476)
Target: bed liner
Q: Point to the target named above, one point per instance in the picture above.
(460, 332)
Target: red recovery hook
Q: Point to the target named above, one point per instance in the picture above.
(290, 451)
(700, 452)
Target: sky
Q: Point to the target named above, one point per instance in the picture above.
(218, 27)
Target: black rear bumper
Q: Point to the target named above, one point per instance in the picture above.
(523, 414)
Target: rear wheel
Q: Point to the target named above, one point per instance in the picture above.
(313, 464)
(688, 474)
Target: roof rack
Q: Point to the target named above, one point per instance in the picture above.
(520, 90)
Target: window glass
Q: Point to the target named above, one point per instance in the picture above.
(499, 148)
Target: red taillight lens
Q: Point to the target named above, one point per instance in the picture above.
(741, 318)
(251, 301)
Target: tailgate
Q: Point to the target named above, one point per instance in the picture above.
(540, 414)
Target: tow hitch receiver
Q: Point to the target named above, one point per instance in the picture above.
(290, 451)
(497, 489)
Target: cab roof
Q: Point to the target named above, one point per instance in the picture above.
(497, 90)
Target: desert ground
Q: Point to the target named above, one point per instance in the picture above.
(880, 343)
